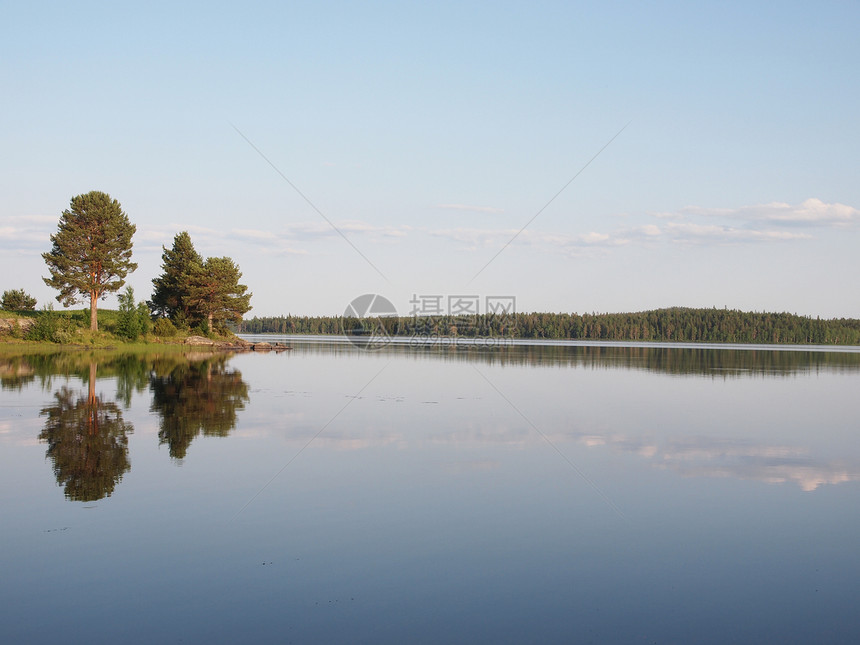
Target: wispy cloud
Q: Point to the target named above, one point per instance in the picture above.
(475, 238)
(32, 220)
(26, 233)
(809, 213)
(252, 234)
(474, 209)
(283, 240)
(761, 223)
(691, 233)
(694, 225)
(773, 223)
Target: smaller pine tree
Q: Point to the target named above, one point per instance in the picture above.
(18, 300)
(128, 323)
(144, 319)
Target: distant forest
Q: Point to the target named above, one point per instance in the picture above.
(677, 324)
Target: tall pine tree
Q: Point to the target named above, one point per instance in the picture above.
(179, 264)
(192, 290)
(91, 253)
(215, 293)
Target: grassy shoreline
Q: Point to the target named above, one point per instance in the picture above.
(69, 329)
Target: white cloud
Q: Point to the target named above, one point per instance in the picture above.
(27, 232)
(812, 213)
(253, 234)
(758, 223)
(592, 238)
(271, 242)
(688, 232)
(33, 220)
(774, 222)
(691, 225)
(279, 241)
(668, 215)
(475, 238)
(363, 228)
(649, 230)
(307, 231)
(474, 209)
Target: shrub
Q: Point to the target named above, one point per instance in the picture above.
(45, 329)
(202, 328)
(63, 335)
(165, 328)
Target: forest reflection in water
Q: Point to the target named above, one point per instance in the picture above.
(86, 434)
(431, 494)
(199, 394)
(664, 358)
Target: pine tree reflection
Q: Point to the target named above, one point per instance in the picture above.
(87, 442)
(194, 398)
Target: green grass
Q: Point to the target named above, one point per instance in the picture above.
(76, 333)
(14, 314)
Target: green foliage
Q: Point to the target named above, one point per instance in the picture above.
(67, 327)
(180, 321)
(215, 293)
(52, 327)
(178, 264)
(203, 328)
(46, 327)
(164, 328)
(18, 300)
(91, 253)
(128, 321)
(192, 290)
(144, 320)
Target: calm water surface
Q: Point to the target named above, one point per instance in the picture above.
(565, 494)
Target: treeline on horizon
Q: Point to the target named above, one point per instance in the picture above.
(676, 324)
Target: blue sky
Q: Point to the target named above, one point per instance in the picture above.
(429, 134)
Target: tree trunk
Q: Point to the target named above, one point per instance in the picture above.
(92, 403)
(94, 320)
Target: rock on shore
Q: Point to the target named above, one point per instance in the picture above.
(236, 345)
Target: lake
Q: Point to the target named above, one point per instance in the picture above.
(563, 493)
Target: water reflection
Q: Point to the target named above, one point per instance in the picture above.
(193, 398)
(723, 362)
(130, 370)
(15, 373)
(199, 394)
(404, 485)
(87, 442)
(86, 433)
(733, 458)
